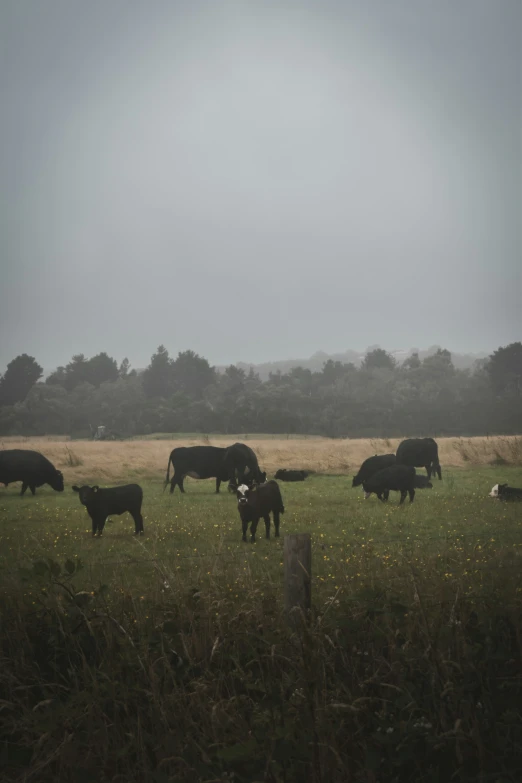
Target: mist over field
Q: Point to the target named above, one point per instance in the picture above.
(259, 181)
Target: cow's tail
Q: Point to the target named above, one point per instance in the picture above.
(167, 477)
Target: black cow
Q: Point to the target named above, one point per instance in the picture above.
(256, 502)
(505, 493)
(199, 462)
(371, 466)
(103, 503)
(399, 478)
(242, 466)
(420, 453)
(29, 467)
(291, 475)
(421, 482)
(223, 464)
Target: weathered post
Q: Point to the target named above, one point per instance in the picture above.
(298, 576)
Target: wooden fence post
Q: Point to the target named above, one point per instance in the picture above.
(298, 575)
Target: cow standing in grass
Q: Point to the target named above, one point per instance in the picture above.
(372, 465)
(29, 467)
(103, 503)
(236, 464)
(420, 453)
(399, 478)
(256, 502)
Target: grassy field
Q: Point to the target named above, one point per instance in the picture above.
(168, 657)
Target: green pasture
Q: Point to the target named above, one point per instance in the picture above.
(453, 533)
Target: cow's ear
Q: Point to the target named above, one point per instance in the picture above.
(75, 488)
(95, 488)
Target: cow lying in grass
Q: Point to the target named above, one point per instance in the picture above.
(399, 478)
(503, 492)
(103, 503)
(256, 502)
(291, 475)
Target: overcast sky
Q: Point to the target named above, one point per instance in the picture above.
(259, 180)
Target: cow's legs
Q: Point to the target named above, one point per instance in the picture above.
(429, 470)
(267, 525)
(439, 471)
(33, 489)
(245, 526)
(404, 492)
(386, 494)
(138, 522)
(276, 523)
(411, 493)
(101, 524)
(380, 496)
(176, 481)
(218, 484)
(24, 487)
(94, 525)
(253, 528)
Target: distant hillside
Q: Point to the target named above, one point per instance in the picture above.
(315, 363)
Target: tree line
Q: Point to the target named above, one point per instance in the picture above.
(381, 398)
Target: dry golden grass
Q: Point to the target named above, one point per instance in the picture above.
(110, 461)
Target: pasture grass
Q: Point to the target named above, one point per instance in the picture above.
(169, 657)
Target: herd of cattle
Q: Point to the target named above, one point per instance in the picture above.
(238, 465)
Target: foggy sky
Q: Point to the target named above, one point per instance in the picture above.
(259, 180)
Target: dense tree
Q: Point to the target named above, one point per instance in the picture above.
(101, 369)
(124, 368)
(412, 362)
(20, 376)
(431, 397)
(158, 378)
(505, 369)
(192, 374)
(76, 372)
(378, 359)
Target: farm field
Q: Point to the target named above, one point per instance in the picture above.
(180, 639)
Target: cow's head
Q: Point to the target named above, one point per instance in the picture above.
(262, 476)
(56, 482)
(243, 494)
(497, 490)
(87, 494)
(280, 473)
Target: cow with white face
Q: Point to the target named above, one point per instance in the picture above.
(256, 502)
(503, 492)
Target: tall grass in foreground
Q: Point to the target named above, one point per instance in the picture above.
(407, 680)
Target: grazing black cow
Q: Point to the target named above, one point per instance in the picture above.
(421, 482)
(233, 464)
(420, 453)
(399, 478)
(256, 502)
(29, 467)
(371, 466)
(505, 493)
(199, 462)
(103, 503)
(242, 466)
(291, 475)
